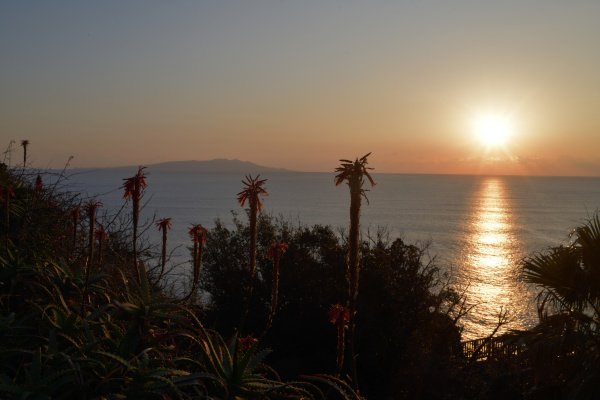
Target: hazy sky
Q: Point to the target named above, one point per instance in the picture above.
(300, 84)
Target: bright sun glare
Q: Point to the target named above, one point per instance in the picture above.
(492, 129)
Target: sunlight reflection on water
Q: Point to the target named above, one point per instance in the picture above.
(489, 258)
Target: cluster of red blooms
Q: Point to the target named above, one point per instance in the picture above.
(245, 343)
(339, 314)
(133, 186)
(5, 193)
(91, 206)
(253, 190)
(198, 233)
(353, 168)
(74, 214)
(100, 234)
(38, 184)
(163, 224)
(276, 250)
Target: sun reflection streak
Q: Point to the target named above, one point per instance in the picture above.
(489, 257)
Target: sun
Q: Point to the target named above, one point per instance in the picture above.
(492, 129)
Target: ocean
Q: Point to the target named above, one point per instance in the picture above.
(479, 228)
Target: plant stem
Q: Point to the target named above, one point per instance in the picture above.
(7, 216)
(136, 216)
(340, 348)
(164, 253)
(274, 293)
(251, 262)
(75, 226)
(355, 183)
(92, 223)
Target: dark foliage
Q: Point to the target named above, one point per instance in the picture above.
(120, 338)
(406, 342)
(563, 350)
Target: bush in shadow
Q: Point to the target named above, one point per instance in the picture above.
(407, 338)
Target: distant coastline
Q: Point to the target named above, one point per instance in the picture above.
(248, 167)
(215, 165)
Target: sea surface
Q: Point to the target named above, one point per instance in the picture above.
(479, 228)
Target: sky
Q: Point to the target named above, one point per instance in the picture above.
(302, 84)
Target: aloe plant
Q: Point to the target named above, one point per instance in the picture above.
(90, 207)
(353, 173)
(100, 236)
(74, 215)
(251, 193)
(341, 388)
(236, 368)
(39, 382)
(275, 252)
(198, 235)
(339, 315)
(163, 225)
(6, 193)
(25, 144)
(134, 188)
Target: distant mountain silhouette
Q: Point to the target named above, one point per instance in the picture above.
(216, 165)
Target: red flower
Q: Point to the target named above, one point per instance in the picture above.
(24, 143)
(133, 188)
(245, 343)
(253, 190)
(198, 233)
(339, 314)
(100, 234)
(74, 213)
(135, 185)
(164, 223)
(349, 170)
(5, 193)
(276, 250)
(90, 206)
(38, 184)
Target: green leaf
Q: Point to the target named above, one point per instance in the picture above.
(145, 286)
(130, 341)
(116, 358)
(52, 344)
(257, 359)
(36, 366)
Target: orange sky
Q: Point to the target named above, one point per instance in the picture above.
(299, 85)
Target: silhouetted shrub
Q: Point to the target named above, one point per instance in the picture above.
(405, 340)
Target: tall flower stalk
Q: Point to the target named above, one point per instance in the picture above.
(5, 194)
(74, 215)
(275, 252)
(134, 188)
(198, 234)
(353, 174)
(339, 315)
(163, 224)
(100, 237)
(25, 144)
(38, 184)
(251, 193)
(90, 208)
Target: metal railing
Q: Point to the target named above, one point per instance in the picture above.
(486, 348)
